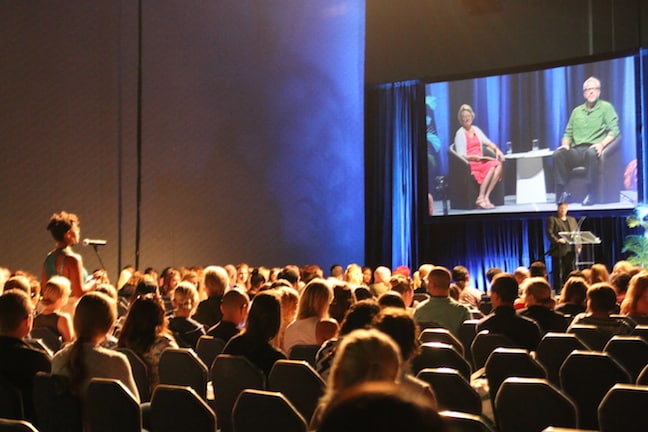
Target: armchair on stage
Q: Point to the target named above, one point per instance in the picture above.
(462, 186)
(610, 177)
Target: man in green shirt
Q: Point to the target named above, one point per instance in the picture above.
(592, 126)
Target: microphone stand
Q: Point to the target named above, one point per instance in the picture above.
(96, 249)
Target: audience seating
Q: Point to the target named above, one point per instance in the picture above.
(552, 351)
(590, 335)
(304, 352)
(110, 407)
(11, 402)
(436, 355)
(642, 379)
(231, 375)
(510, 362)
(484, 344)
(140, 373)
(641, 331)
(299, 382)
(49, 338)
(531, 404)
(57, 410)
(208, 347)
(630, 351)
(621, 410)
(441, 335)
(13, 425)
(452, 390)
(180, 408)
(259, 410)
(466, 334)
(464, 422)
(182, 367)
(586, 376)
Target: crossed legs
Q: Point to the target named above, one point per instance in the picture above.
(487, 186)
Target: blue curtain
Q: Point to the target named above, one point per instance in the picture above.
(395, 142)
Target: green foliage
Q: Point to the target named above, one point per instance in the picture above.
(637, 244)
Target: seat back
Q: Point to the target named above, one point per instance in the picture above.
(231, 375)
(103, 399)
(622, 409)
(438, 355)
(510, 362)
(453, 392)
(49, 338)
(180, 408)
(208, 347)
(278, 413)
(299, 382)
(630, 351)
(552, 351)
(140, 373)
(11, 401)
(641, 331)
(466, 334)
(532, 404)
(464, 422)
(586, 376)
(182, 367)
(304, 352)
(441, 335)
(12, 425)
(57, 410)
(590, 335)
(485, 343)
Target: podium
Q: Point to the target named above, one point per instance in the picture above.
(584, 242)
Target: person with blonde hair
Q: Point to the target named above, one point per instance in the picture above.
(85, 359)
(362, 356)
(185, 329)
(313, 325)
(55, 295)
(216, 281)
(635, 303)
(468, 141)
(289, 298)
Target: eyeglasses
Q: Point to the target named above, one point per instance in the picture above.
(586, 89)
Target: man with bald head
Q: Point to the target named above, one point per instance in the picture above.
(381, 283)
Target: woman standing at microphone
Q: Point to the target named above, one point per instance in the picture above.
(63, 261)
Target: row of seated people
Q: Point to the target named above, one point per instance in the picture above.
(320, 327)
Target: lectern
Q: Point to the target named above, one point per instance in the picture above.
(584, 242)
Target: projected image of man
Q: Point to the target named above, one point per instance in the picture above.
(592, 126)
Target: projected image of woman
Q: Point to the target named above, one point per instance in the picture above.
(485, 169)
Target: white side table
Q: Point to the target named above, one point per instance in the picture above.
(530, 179)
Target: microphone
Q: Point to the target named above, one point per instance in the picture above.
(94, 242)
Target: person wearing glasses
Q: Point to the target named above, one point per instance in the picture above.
(592, 126)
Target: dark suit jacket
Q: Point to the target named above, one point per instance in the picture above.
(554, 226)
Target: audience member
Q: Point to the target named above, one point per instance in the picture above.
(353, 275)
(262, 325)
(55, 295)
(313, 325)
(215, 281)
(520, 274)
(289, 298)
(367, 276)
(359, 316)
(503, 320)
(290, 274)
(19, 362)
(343, 298)
(539, 306)
(380, 283)
(380, 407)
(85, 359)
(391, 299)
(185, 329)
(404, 287)
(538, 269)
(467, 294)
(420, 285)
(402, 271)
(19, 282)
(492, 272)
(243, 276)
(363, 293)
(620, 282)
(146, 332)
(601, 302)
(401, 327)
(573, 296)
(234, 308)
(169, 280)
(635, 304)
(63, 261)
(440, 309)
(599, 273)
(337, 272)
(362, 356)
